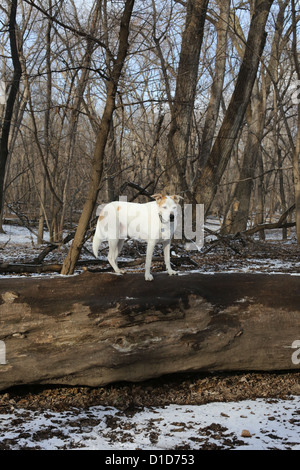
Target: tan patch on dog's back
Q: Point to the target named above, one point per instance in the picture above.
(101, 216)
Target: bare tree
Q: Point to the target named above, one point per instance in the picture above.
(256, 120)
(212, 114)
(97, 165)
(183, 103)
(221, 151)
(296, 153)
(14, 88)
(166, 125)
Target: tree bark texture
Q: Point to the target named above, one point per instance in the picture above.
(96, 329)
(221, 151)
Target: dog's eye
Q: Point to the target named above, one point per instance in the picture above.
(165, 207)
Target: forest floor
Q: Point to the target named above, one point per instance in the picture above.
(196, 411)
(233, 254)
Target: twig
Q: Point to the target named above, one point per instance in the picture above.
(141, 190)
(6, 243)
(223, 239)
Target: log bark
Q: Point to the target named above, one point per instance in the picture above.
(96, 329)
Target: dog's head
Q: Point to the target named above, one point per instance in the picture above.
(167, 207)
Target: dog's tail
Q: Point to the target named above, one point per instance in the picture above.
(96, 243)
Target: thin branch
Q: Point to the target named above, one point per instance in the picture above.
(68, 27)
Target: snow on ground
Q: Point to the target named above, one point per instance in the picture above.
(17, 234)
(16, 243)
(247, 425)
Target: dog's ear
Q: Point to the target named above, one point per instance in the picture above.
(176, 198)
(157, 197)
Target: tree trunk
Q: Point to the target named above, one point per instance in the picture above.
(256, 117)
(296, 170)
(182, 108)
(212, 114)
(260, 207)
(75, 113)
(233, 119)
(97, 165)
(96, 329)
(11, 98)
(296, 156)
(242, 194)
(47, 137)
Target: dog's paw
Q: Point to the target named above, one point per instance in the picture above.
(148, 277)
(171, 272)
(119, 271)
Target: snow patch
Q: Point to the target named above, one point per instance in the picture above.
(247, 425)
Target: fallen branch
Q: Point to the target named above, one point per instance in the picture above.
(52, 246)
(259, 228)
(34, 268)
(275, 225)
(225, 239)
(19, 268)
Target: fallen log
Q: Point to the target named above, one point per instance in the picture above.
(96, 329)
(32, 268)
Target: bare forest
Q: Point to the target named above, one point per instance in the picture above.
(103, 99)
(106, 98)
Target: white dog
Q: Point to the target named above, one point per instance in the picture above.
(153, 222)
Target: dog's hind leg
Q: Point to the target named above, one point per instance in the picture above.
(97, 240)
(115, 247)
(119, 249)
(120, 246)
(166, 247)
(149, 254)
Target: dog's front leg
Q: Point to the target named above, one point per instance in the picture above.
(166, 247)
(149, 254)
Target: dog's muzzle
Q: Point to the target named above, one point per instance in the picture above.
(172, 219)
